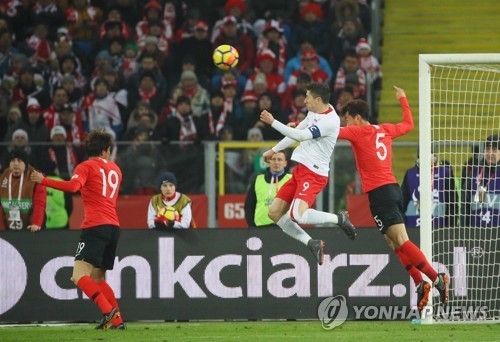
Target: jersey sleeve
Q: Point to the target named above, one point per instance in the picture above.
(80, 174)
(325, 128)
(348, 133)
(403, 127)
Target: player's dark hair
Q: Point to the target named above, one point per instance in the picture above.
(321, 90)
(355, 107)
(98, 141)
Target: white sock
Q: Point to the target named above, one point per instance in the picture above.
(292, 229)
(312, 216)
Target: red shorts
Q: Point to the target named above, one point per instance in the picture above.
(304, 185)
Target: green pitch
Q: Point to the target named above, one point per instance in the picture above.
(258, 331)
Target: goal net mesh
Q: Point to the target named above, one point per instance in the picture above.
(465, 112)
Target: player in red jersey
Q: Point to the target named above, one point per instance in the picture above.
(98, 180)
(372, 145)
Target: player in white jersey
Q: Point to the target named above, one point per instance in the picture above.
(317, 135)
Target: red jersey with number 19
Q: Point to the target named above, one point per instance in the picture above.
(372, 145)
(100, 181)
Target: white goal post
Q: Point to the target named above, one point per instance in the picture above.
(459, 108)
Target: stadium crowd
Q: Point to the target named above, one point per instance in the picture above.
(143, 71)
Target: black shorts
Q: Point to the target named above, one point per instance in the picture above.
(386, 205)
(97, 246)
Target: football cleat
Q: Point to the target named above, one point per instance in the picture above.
(107, 320)
(346, 225)
(423, 290)
(317, 249)
(442, 287)
(120, 326)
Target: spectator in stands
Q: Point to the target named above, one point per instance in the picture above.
(283, 9)
(47, 12)
(269, 102)
(69, 119)
(309, 65)
(231, 100)
(218, 116)
(312, 27)
(235, 173)
(350, 74)
(20, 142)
(263, 189)
(83, 22)
(345, 41)
(60, 158)
(116, 89)
(241, 41)
(68, 66)
(6, 50)
(129, 65)
(18, 61)
(235, 9)
(481, 194)
(40, 45)
(197, 46)
(444, 195)
(142, 115)
(274, 41)
(297, 110)
(369, 63)
(170, 197)
(14, 120)
(153, 16)
(147, 65)
(147, 92)
(140, 163)
(28, 88)
(252, 157)
(250, 113)
(184, 126)
(295, 63)
(344, 97)
(200, 99)
(114, 26)
(16, 16)
(100, 109)
(75, 94)
(267, 64)
(23, 200)
(33, 125)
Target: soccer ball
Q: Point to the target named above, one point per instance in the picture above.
(225, 57)
(169, 213)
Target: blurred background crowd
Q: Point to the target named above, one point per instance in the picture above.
(143, 71)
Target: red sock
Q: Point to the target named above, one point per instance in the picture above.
(107, 291)
(412, 271)
(418, 259)
(92, 290)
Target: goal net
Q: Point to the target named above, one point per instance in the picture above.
(460, 181)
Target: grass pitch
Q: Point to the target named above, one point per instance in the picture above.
(257, 331)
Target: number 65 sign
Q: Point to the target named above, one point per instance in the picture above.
(231, 211)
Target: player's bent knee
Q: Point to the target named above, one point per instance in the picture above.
(274, 214)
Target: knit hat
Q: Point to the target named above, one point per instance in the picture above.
(234, 3)
(20, 133)
(313, 8)
(267, 54)
(249, 95)
(151, 40)
(493, 141)
(201, 25)
(33, 105)
(168, 177)
(19, 154)
(254, 131)
(362, 44)
(57, 130)
(229, 20)
(131, 46)
(186, 74)
(273, 25)
(309, 54)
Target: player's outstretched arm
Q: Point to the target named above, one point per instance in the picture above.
(407, 124)
(293, 133)
(69, 186)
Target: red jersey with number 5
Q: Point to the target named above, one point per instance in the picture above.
(100, 181)
(372, 145)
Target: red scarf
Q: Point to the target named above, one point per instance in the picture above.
(228, 106)
(147, 96)
(281, 56)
